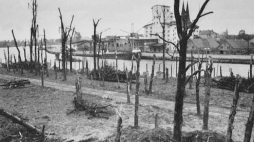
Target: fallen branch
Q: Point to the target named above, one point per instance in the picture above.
(19, 121)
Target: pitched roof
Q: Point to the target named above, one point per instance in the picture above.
(237, 43)
(252, 41)
(212, 42)
(198, 42)
(204, 43)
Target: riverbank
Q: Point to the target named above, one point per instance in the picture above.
(49, 106)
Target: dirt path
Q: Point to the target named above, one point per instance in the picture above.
(217, 120)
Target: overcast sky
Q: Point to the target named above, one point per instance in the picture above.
(233, 15)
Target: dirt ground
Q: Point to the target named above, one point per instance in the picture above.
(48, 106)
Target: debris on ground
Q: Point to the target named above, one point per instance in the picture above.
(11, 84)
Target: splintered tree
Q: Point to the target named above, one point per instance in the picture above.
(208, 83)
(137, 92)
(71, 49)
(64, 36)
(184, 31)
(34, 6)
(162, 23)
(95, 24)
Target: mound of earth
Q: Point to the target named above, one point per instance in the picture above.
(130, 134)
(203, 136)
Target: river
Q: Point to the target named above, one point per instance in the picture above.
(241, 69)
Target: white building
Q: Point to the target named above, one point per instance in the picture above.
(154, 27)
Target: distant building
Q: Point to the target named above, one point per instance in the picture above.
(208, 34)
(235, 47)
(205, 45)
(154, 27)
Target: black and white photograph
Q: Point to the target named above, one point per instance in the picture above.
(126, 70)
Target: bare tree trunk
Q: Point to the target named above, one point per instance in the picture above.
(166, 75)
(208, 81)
(8, 58)
(128, 86)
(251, 59)
(45, 44)
(197, 89)
(71, 49)
(118, 131)
(178, 117)
(145, 83)
(233, 112)
(117, 77)
(95, 42)
(137, 92)
(131, 73)
(249, 124)
(152, 75)
(191, 80)
(55, 70)
(25, 52)
(64, 37)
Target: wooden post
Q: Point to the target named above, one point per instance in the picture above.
(42, 76)
(119, 126)
(171, 71)
(55, 70)
(152, 75)
(79, 65)
(15, 64)
(87, 74)
(131, 73)
(214, 72)
(59, 65)
(251, 66)
(208, 72)
(83, 67)
(146, 67)
(145, 83)
(8, 58)
(166, 75)
(233, 112)
(156, 121)
(220, 71)
(117, 76)
(176, 66)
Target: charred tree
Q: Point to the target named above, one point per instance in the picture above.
(45, 49)
(208, 83)
(64, 36)
(249, 124)
(152, 75)
(71, 50)
(233, 112)
(128, 79)
(25, 52)
(184, 31)
(95, 24)
(137, 92)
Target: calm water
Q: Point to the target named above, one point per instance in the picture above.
(240, 69)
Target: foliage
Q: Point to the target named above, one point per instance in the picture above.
(109, 74)
(246, 85)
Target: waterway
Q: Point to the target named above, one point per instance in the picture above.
(145, 65)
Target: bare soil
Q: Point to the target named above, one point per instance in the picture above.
(48, 106)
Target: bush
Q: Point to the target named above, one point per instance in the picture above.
(110, 74)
